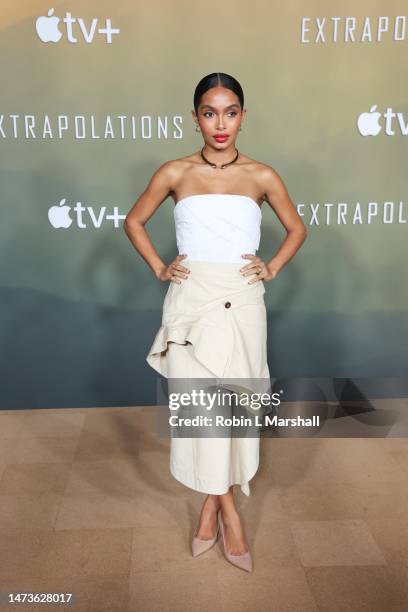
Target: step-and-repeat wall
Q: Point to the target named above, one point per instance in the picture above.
(95, 96)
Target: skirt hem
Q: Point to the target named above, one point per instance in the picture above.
(187, 482)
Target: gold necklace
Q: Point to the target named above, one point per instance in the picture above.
(222, 165)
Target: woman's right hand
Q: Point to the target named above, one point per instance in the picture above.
(174, 271)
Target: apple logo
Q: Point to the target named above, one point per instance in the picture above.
(47, 28)
(367, 123)
(58, 216)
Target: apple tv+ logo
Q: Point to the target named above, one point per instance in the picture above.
(368, 124)
(48, 28)
(60, 218)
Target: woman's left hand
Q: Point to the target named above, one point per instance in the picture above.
(259, 268)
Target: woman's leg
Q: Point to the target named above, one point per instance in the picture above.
(235, 540)
(234, 533)
(207, 526)
(208, 456)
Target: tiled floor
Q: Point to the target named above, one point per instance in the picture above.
(88, 506)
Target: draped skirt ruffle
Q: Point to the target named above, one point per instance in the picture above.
(221, 315)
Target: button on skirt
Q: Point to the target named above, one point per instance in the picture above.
(214, 325)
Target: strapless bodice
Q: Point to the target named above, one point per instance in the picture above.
(217, 227)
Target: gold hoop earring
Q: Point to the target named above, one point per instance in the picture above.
(197, 126)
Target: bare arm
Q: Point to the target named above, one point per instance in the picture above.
(278, 198)
(158, 189)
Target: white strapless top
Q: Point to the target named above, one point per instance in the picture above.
(217, 227)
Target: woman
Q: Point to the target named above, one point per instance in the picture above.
(214, 316)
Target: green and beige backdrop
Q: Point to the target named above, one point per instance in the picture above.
(88, 116)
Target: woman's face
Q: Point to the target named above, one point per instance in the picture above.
(219, 114)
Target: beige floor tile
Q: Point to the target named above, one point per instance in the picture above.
(336, 542)
(94, 447)
(111, 476)
(88, 510)
(154, 442)
(400, 456)
(264, 504)
(161, 549)
(356, 589)
(121, 426)
(89, 552)
(361, 459)
(33, 479)
(329, 460)
(336, 500)
(42, 449)
(176, 591)
(12, 422)
(36, 512)
(7, 449)
(147, 472)
(391, 536)
(272, 544)
(288, 461)
(283, 589)
(23, 553)
(54, 423)
(389, 443)
(319, 501)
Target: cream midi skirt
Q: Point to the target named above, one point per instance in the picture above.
(214, 325)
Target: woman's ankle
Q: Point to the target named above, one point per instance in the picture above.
(213, 501)
(230, 514)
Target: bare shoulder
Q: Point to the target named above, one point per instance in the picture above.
(175, 168)
(271, 182)
(167, 176)
(266, 174)
(158, 189)
(276, 195)
(169, 170)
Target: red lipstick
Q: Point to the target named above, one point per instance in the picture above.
(221, 137)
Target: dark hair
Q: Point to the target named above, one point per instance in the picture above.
(217, 79)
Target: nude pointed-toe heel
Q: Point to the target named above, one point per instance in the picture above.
(243, 561)
(198, 546)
